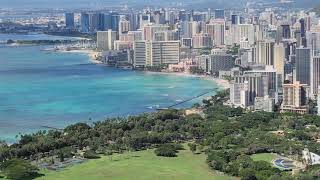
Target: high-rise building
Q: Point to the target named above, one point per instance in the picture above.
(216, 30)
(295, 97)
(210, 30)
(303, 63)
(219, 33)
(135, 35)
(270, 73)
(183, 29)
(115, 18)
(85, 22)
(133, 18)
(246, 56)
(106, 39)
(124, 26)
(139, 56)
(168, 35)
(315, 75)
(69, 20)
(172, 18)
(303, 32)
(186, 42)
(144, 19)
(94, 22)
(106, 21)
(257, 85)
(150, 29)
(285, 31)
(217, 62)
(318, 100)
(170, 51)
(158, 17)
(159, 36)
(184, 15)
(279, 62)
(155, 53)
(101, 21)
(189, 28)
(201, 41)
(239, 94)
(235, 19)
(208, 15)
(265, 103)
(313, 42)
(265, 52)
(219, 14)
(102, 40)
(242, 32)
(172, 35)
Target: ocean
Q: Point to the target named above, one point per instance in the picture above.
(40, 88)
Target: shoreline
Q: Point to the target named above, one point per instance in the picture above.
(92, 54)
(224, 84)
(220, 82)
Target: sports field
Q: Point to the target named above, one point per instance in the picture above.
(143, 165)
(269, 157)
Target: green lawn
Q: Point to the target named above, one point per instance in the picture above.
(143, 165)
(264, 157)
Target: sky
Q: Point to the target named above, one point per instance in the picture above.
(101, 3)
(49, 3)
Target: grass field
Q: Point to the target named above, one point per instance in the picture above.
(264, 157)
(143, 165)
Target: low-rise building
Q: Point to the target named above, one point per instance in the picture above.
(310, 158)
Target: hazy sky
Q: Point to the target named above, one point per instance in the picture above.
(101, 3)
(50, 3)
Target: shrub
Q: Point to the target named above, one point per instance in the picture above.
(193, 147)
(90, 154)
(168, 150)
(18, 169)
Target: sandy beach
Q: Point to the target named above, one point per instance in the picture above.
(92, 54)
(221, 82)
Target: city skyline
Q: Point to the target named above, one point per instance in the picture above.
(160, 90)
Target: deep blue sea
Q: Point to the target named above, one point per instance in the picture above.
(39, 88)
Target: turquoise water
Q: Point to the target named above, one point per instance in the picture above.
(32, 36)
(39, 88)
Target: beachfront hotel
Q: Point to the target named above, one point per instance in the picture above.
(155, 53)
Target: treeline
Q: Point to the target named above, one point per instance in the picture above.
(229, 136)
(72, 34)
(43, 42)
